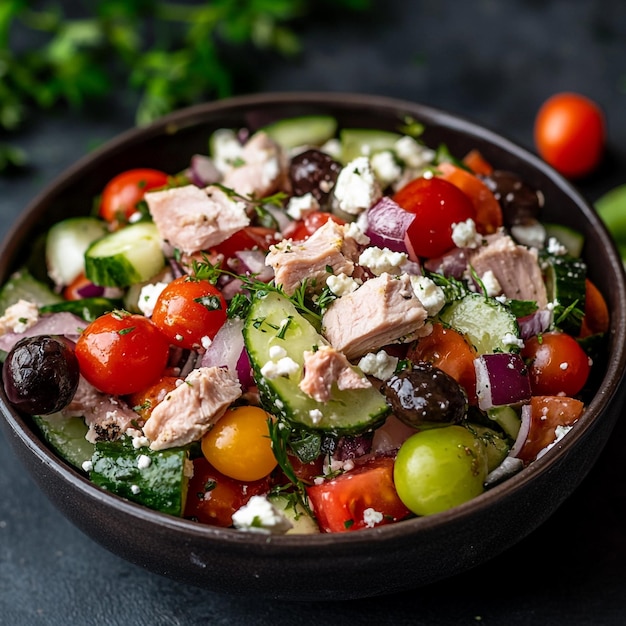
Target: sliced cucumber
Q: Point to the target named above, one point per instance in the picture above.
(307, 130)
(274, 321)
(357, 142)
(66, 435)
(155, 479)
(488, 324)
(565, 284)
(22, 285)
(507, 418)
(66, 244)
(495, 446)
(572, 239)
(87, 308)
(302, 522)
(130, 255)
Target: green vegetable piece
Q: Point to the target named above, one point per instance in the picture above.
(307, 130)
(357, 142)
(66, 435)
(22, 285)
(87, 308)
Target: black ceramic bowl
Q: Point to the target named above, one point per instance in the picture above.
(327, 566)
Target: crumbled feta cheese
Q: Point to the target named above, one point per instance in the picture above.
(87, 466)
(144, 461)
(260, 515)
(356, 230)
(380, 365)
(135, 489)
(356, 189)
(413, 153)
(491, 284)
(227, 149)
(148, 297)
(283, 367)
(299, 206)
(429, 294)
(371, 517)
(510, 339)
(554, 246)
(315, 415)
(465, 235)
(559, 432)
(342, 284)
(19, 317)
(386, 168)
(277, 352)
(564, 366)
(382, 260)
(333, 147)
(140, 442)
(206, 342)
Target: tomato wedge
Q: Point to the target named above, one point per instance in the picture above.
(477, 162)
(361, 498)
(488, 210)
(596, 318)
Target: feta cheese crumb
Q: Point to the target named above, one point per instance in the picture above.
(509, 339)
(135, 489)
(554, 246)
(140, 442)
(19, 317)
(371, 517)
(315, 415)
(356, 189)
(492, 285)
(260, 515)
(227, 149)
(356, 231)
(299, 206)
(379, 365)
(283, 367)
(382, 260)
(277, 352)
(429, 294)
(386, 168)
(87, 466)
(144, 461)
(148, 297)
(342, 284)
(413, 153)
(465, 235)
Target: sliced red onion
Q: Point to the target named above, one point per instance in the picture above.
(244, 370)
(501, 379)
(66, 324)
(523, 431)
(283, 221)
(89, 290)
(452, 264)
(535, 323)
(387, 222)
(226, 349)
(203, 171)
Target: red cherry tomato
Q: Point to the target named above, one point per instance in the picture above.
(188, 310)
(123, 192)
(437, 205)
(248, 238)
(596, 318)
(120, 353)
(570, 134)
(304, 228)
(557, 364)
(546, 413)
(212, 498)
(346, 502)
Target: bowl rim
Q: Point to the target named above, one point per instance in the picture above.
(189, 116)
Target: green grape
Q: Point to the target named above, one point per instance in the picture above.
(439, 468)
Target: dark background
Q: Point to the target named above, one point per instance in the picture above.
(494, 62)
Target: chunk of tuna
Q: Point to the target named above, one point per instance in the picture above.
(263, 168)
(327, 366)
(383, 310)
(193, 219)
(190, 410)
(327, 251)
(516, 268)
(107, 417)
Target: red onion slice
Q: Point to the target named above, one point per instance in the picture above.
(387, 222)
(523, 431)
(501, 379)
(226, 351)
(203, 171)
(535, 323)
(65, 324)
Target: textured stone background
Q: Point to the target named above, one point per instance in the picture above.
(493, 62)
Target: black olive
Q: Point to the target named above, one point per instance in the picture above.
(40, 374)
(314, 172)
(424, 395)
(520, 203)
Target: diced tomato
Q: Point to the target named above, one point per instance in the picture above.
(248, 238)
(353, 500)
(304, 228)
(212, 498)
(144, 401)
(596, 318)
(488, 210)
(477, 162)
(448, 350)
(547, 413)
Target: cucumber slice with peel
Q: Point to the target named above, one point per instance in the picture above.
(274, 321)
(357, 142)
(67, 436)
(130, 255)
(307, 130)
(566, 287)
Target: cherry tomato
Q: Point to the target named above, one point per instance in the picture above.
(144, 401)
(239, 445)
(304, 228)
(248, 238)
(488, 210)
(212, 498)
(448, 350)
(356, 499)
(570, 134)
(439, 468)
(475, 160)
(189, 310)
(596, 318)
(546, 413)
(124, 191)
(437, 204)
(120, 353)
(557, 364)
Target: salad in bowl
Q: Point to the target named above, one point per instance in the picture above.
(309, 329)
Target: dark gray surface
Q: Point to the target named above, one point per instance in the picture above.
(494, 62)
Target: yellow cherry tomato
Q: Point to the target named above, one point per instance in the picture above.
(239, 444)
